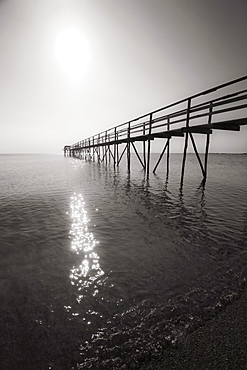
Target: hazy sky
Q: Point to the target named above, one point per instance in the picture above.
(72, 68)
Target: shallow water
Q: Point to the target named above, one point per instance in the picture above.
(103, 269)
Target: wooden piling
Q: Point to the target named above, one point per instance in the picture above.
(144, 147)
(197, 154)
(186, 142)
(115, 150)
(149, 144)
(128, 147)
(106, 147)
(207, 143)
(161, 155)
(168, 147)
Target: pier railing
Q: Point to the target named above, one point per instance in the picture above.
(173, 116)
(222, 107)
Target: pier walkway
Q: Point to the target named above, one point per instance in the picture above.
(223, 107)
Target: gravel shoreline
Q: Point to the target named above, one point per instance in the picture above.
(219, 345)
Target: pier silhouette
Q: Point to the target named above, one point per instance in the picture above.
(220, 108)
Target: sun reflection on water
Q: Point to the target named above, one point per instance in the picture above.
(83, 243)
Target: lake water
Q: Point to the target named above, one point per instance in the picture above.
(101, 269)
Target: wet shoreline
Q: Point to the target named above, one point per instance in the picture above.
(219, 344)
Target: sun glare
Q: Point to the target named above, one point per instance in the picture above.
(72, 53)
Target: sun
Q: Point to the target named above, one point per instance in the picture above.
(72, 53)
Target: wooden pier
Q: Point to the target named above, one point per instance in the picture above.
(223, 107)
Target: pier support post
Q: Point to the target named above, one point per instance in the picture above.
(115, 139)
(105, 147)
(109, 148)
(207, 144)
(197, 154)
(144, 148)
(163, 151)
(89, 150)
(98, 148)
(149, 144)
(93, 151)
(137, 154)
(128, 148)
(186, 141)
(168, 148)
(206, 157)
(122, 154)
(117, 151)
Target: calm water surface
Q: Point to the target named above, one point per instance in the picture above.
(100, 269)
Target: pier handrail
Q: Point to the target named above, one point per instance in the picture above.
(143, 124)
